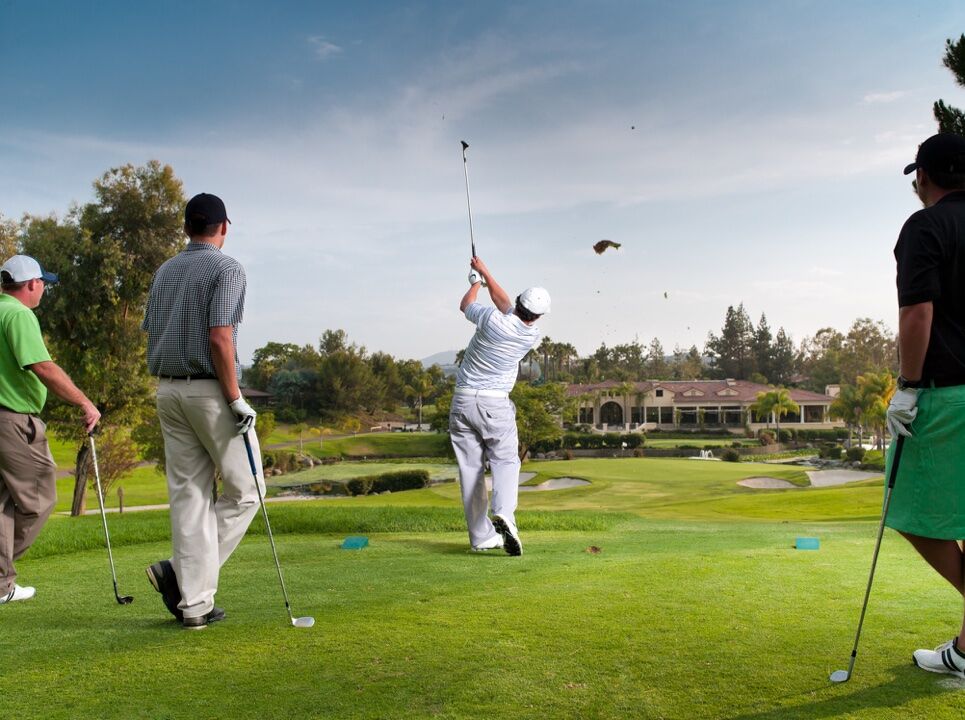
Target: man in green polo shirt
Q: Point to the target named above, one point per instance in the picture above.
(27, 471)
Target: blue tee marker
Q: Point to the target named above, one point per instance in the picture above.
(355, 542)
(807, 543)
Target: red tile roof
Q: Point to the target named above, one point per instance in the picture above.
(746, 391)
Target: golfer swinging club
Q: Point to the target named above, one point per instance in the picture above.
(482, 420)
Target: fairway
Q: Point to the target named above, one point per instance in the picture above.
(696, 607)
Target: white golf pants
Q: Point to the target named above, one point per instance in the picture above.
(481, 429)
(200, 436)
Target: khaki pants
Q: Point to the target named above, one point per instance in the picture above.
(200, 436)
(481, 429)
(28, 488)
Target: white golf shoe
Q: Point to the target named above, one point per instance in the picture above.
(944, 659)
(18, 593)
(507, 528)
(493, 543)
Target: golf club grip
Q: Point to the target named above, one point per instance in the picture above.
(251, 457)
(893, 475)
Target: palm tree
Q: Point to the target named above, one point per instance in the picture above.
(763, 406)
(847, 406)
(783, 404)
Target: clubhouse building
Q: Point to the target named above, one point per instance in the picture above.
(693, 405)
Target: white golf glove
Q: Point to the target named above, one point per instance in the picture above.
(474, 277)
(902, 412)
(246, 414)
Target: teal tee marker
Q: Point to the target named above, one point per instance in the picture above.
(807, 543)
(355, 542)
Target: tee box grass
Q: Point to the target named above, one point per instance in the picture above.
(698, 606)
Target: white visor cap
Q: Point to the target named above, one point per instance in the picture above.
(536, 300)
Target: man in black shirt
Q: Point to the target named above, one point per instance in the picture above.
(928, 500)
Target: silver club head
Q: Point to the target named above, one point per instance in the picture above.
(303, 622)
(840, 676)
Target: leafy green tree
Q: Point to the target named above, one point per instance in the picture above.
(540, 413)
(762, 348)
(763, 407)
(9, 238)
(732, 353)
(656, 366)
(783, 359)
(422, 385)
(106, 253)
(687, 365)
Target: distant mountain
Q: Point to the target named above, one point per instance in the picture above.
(442, 359)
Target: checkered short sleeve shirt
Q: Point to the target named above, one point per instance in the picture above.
(197, 289)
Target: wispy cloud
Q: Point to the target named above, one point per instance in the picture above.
(877, 98)
(323, 48)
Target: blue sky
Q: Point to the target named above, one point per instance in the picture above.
(741, 152)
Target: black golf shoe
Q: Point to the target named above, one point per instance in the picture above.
(162, 577)
(202, 621)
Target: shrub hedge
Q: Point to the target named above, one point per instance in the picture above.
(390, 481)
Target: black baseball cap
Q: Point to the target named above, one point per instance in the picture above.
(944, 152)
(205, 208)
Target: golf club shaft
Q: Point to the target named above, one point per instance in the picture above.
(100, 503)
(271, 539)
(465, 169)
(899, 444)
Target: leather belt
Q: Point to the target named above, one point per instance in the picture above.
(187, 377)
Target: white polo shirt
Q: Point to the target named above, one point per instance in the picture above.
(492, 357)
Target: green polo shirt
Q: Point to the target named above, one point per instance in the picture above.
(21, 344)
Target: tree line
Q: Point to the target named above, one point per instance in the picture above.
(741, 350)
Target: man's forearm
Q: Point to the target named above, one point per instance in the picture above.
(223, 357)
(499, 296)
(59, 382)
(914, 333)
(470, 297)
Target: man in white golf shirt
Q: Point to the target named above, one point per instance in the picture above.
(482, 419)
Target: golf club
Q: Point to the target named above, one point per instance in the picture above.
(121, 599)
(473, 276)
(839, 676)
(301, 622)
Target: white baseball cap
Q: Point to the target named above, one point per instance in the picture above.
(536, 300)
(22, 268)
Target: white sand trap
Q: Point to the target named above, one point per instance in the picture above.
(555, 484)
(765, 483)
(819, 478)
(829, 478)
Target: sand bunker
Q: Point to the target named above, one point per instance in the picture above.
(819, 478)
(555, 484)
(765, 483)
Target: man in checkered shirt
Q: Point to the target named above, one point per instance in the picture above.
(196, 302)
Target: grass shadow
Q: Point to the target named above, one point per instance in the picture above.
(908, 683)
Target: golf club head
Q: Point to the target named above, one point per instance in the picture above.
(125, 599)
(840, 676)
(465, 145)
(303, 622)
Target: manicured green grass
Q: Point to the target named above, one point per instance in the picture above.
(383, 444)
(143, 486)
(695, 607)
(670, 620)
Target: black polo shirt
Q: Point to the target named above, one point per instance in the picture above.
(931, 268)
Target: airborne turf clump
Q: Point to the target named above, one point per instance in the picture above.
(602, 245)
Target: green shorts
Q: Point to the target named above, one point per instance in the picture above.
(929, 494)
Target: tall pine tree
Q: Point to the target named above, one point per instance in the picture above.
(951, 119)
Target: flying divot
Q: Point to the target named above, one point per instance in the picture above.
(602, 245)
